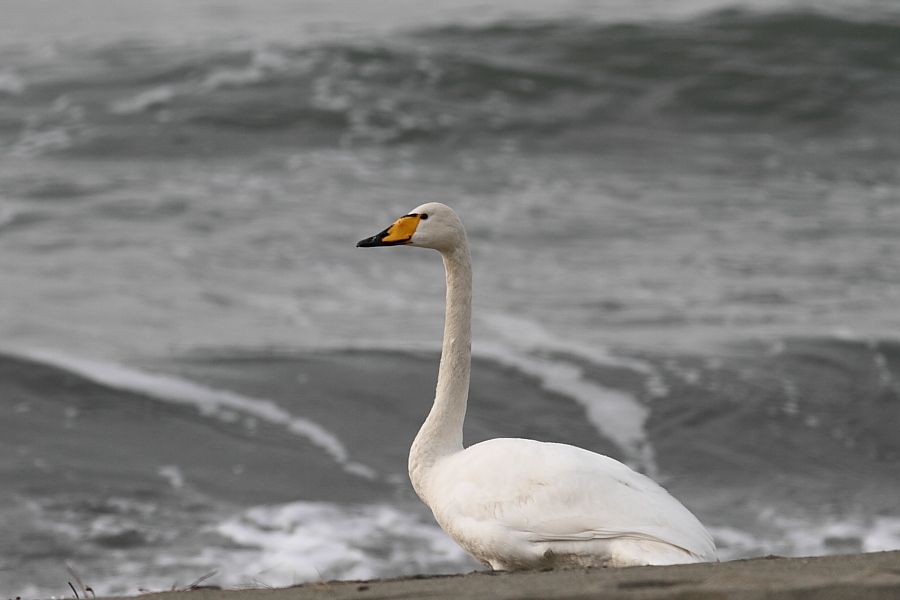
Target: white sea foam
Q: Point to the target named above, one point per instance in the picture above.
(286, 544)
(303, 541)
(211, 401)
(277, 545)
(616, 414)
(33, 142)
(263, 63)
(883, 534)
(797, 536)
(152, 98)
(522, 345)
(852, 534)
(531, 336)
(173, 475)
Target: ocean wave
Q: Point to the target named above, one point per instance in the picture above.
(536, 81)
(786, 446)
(561, 367)
(222, 404)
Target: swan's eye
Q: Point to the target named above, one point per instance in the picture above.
(423, 216)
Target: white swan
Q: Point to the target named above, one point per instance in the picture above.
(516, 503)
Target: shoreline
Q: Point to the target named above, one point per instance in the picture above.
(871, 576)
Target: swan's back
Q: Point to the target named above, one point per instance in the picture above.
(516, 503)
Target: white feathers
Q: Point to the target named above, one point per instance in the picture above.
(515, 503)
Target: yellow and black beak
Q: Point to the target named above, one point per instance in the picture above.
(399, 233)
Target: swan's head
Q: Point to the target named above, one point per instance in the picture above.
(433, 225)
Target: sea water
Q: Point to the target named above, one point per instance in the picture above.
(685, 227)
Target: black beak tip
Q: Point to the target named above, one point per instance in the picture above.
(368, 242)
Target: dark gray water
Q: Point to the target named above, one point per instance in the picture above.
(684, 220)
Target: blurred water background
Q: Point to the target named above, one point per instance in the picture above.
(685, 224)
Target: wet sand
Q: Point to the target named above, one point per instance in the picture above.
(871, 576)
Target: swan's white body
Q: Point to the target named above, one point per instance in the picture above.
(516, 503)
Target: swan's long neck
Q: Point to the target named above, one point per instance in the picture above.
(442, 432)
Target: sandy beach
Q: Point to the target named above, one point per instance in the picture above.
(871, 576)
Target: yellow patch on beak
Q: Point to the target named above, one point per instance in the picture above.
(402, 230)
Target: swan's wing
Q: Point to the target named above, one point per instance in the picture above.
(554, 492)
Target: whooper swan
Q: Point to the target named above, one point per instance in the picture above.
(517, 503)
